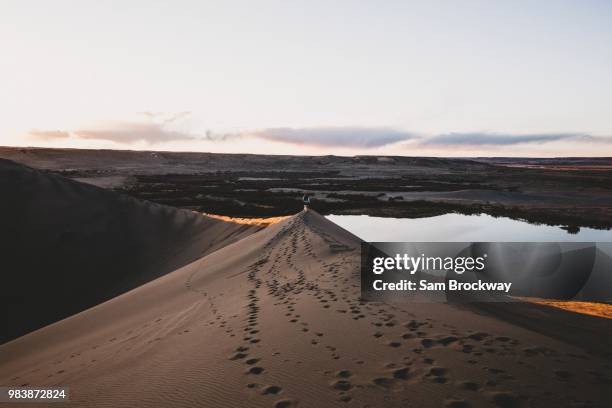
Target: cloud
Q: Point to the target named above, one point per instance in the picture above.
(132, 132)
(500, 139)
(356, 137)
(49, 134)
(224, 137)
(150, 131)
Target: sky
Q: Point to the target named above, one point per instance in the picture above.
(441, 78)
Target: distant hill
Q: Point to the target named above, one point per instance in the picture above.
(159, 162)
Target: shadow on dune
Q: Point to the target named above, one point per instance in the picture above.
(67, 246)
(584, 331)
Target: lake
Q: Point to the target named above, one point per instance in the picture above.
(461, 228)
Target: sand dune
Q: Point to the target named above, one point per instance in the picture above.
(67, 246)
(274, 320)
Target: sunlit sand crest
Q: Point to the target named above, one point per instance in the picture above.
(264, 222)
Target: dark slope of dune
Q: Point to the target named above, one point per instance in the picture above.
(67, 246)
(275, 320)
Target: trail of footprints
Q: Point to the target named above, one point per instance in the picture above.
(253, 363)
(284, 293)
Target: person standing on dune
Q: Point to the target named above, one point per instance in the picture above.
(306, 200)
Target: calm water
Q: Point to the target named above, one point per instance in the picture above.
(461, 228)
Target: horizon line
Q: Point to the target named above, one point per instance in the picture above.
(300, 155)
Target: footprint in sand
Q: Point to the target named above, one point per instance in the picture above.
(344, 374)
(271, 390)
(437, 374)
(255, 370)
(427, 343)
(448, 340)
(402, 373)
(238, 356)
(342, 385)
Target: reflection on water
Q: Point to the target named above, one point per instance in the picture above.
(461, 228)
